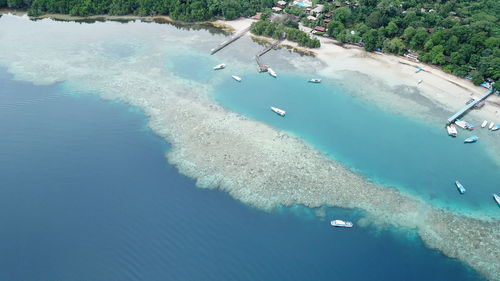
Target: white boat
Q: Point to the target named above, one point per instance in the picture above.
(237, 78)
(491, 125)
(315, 80)
(341, 223)
(497, 198)
(271, 72)
(452, 130)
(278, 111)
(219, 66)
(485, 122)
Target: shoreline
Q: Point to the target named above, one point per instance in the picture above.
(446, 90)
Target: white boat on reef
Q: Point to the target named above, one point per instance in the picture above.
(237, 78)
(271, 72)
(485, 122)
(491, 125)
(315, 80)
(278, 111)
(219, 66)
(341, 223)
(452, 130)
(497, 198)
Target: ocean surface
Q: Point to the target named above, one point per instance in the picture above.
(388, 149)
(87, 194)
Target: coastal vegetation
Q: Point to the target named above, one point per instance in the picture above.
(193, 10)
(461, 36)
(274, 29)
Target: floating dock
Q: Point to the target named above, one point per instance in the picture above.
(469, 106)
(229, 41)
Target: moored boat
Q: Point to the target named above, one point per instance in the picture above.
(237, 78)
(464, 125)
(471, 139)
(452, 130)
(341, 223)
(271, 72)
(315, 80)
(460, 187)
(219, 66)
(485, 122)
(278, 111)
(497, 198)
(491, 125)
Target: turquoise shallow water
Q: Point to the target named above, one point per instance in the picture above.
(387, 148)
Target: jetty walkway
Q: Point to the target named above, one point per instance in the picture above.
(229, 41)
(262, 66)
(469, 106)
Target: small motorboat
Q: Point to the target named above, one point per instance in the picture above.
(460, 187)
(491, 125)
(497, 198)
(271, 72)
(485, 122)
(278, 111)
(471, 139)
(219, 66)
(418, 69)
(237, 78)
(452, 130)
(315, 80)
(341, 223)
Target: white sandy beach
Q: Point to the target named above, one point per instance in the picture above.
(446, 90)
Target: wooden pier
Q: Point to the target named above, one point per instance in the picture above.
(229, 41)
(468, 106)
(262, 66)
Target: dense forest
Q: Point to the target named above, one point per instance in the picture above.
(274, 29)
(185, 10)
(461, 36)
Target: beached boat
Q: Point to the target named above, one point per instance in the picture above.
(272, 73)
(491, 125)
(418, 69)
(315, 80)
(237, 78)
(497, 198)
(219, 66)
(278, 111)
(460, 187)
(452, 130)
(485, 122)
(471, 139)
(341, 223)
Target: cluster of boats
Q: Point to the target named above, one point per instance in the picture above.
(491, 127)
(452, 129)
(462, 190)
(271, 72)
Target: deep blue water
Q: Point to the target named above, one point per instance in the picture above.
(86, 194)
(387, 148)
